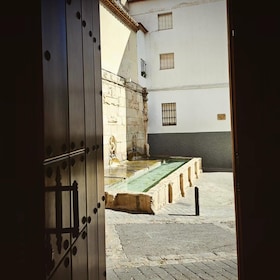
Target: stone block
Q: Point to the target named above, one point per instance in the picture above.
(140, 203)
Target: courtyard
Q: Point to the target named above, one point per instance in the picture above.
(175, 243)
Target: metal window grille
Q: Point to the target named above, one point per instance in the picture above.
(143, 68)
(168, 114)
(166, 61)
(165, 21)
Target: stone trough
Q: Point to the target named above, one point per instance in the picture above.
(145, 186)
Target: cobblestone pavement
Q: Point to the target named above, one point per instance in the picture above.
(174, 243)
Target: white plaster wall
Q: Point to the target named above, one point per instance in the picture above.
(118, 46)
(197, 110)
(199, 83)
(198, 40)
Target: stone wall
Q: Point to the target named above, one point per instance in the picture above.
(124, 118)
(114, 115)
(135, 127)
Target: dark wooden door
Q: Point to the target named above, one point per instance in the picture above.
(74, 199)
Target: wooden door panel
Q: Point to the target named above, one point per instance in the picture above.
(92, 214)
(99, 143)
(64, 270)
(79, 258)
(75, 74)
(55, 78)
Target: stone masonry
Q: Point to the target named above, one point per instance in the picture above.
(123, 118)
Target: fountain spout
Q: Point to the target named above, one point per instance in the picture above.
(113, 160)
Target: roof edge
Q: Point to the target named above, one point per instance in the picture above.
(142, 27)
(118, 10)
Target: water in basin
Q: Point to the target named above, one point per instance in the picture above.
(149, 179)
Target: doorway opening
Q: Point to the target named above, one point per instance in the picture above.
(202, 128)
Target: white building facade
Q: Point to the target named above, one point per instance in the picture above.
(187, 78)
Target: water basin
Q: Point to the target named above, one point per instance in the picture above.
(146, 186)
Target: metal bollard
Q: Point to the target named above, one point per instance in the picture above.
(196, 197)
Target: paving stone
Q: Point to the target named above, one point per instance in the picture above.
(176, 274)
(149, 273)
(186, 272)
(211, 270)
(127, 274)
(111, 275)
(226, 265)
(199, 271)
(191, 271)
(161, 272)
(219, 267)
(154, 258)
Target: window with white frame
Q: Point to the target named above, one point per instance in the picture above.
(166, 61)
(169, 114)
(143, 68)
(165, 21)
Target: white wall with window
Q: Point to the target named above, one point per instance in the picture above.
(197, 110)
(186, 49)
(187, 57)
